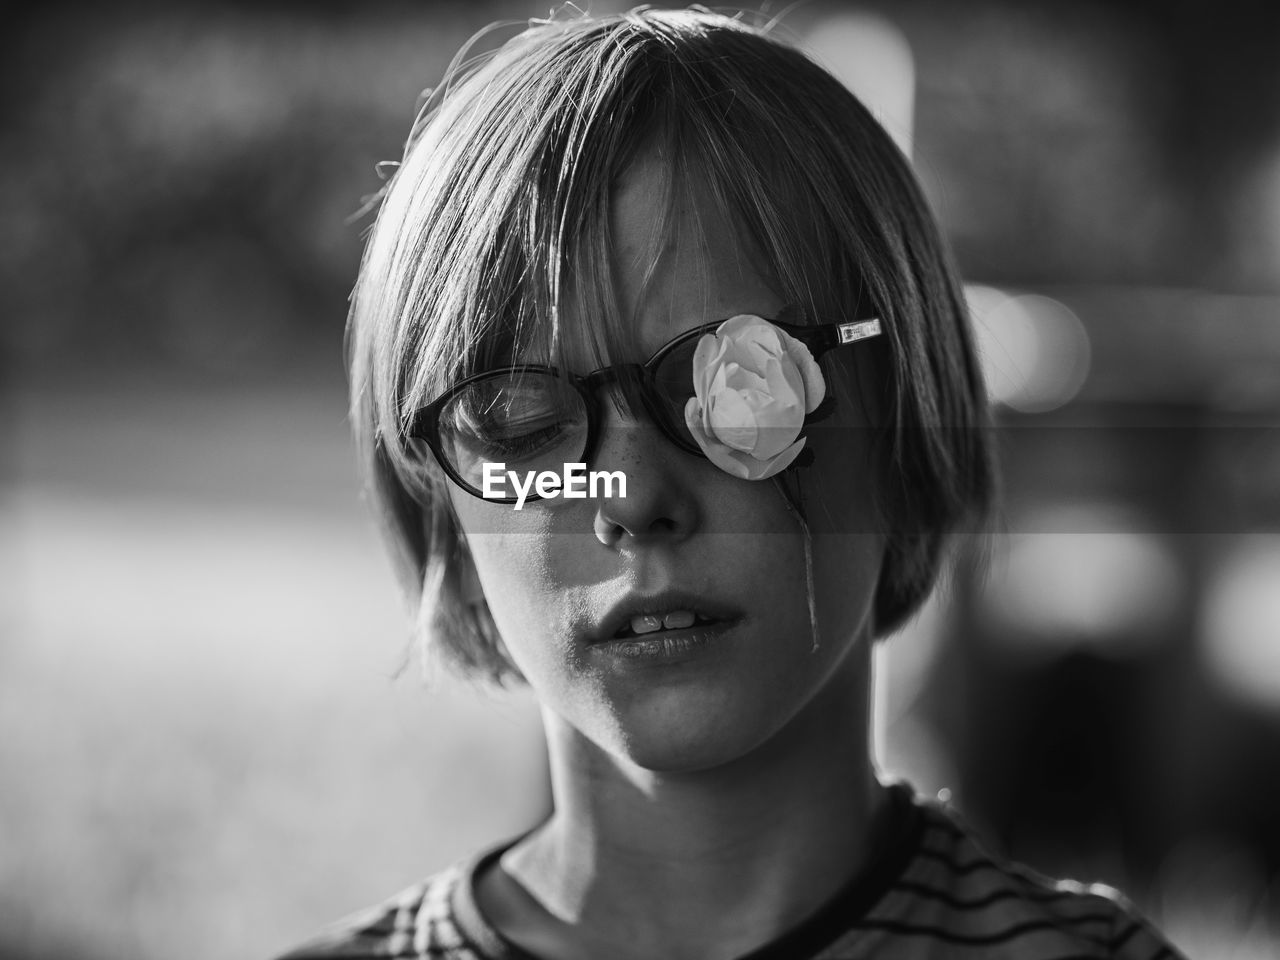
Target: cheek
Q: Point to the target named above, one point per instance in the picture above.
(528, 565)
(848, 566)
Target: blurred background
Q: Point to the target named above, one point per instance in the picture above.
(203, 747)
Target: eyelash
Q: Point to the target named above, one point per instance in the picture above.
(525, 443)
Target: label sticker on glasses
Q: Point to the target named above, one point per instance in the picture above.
(574, 483)
(849, 332)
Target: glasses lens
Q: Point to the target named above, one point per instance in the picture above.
(528, 420)
(673, 386)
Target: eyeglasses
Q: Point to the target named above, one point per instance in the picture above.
(537, 418)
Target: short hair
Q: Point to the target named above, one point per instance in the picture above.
(503, 192)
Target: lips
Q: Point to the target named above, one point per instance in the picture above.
(652, 616)
(647, 623)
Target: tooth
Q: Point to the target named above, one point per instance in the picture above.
(646, 624)
(678, 620)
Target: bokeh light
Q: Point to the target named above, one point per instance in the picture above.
(1035, 351)
(1240, 636)
(1077, 583)
(872, 57)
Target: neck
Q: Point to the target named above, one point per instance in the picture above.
(655, 857)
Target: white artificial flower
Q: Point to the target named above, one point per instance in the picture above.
(753, 384)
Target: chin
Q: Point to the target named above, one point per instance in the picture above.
(682, 734)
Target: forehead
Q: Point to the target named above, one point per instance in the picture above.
(679, 259)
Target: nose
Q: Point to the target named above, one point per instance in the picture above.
(661, 502)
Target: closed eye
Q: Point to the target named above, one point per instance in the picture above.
(509, 444)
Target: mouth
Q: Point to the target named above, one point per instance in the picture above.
(654, 618)
(650, 623)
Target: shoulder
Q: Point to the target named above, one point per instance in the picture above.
(954, 894)
(418, 921)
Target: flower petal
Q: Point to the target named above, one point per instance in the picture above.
(727, 460)
(732, 420)
(736, 325)
(738, 377)
(705, 364)
(815, 385)
(773, 440)
(784, 383)
(762, 470)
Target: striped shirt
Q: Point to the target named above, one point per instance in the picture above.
(938, 894)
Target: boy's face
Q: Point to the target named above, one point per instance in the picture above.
(687, 538)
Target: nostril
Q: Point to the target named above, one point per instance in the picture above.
(606, 531)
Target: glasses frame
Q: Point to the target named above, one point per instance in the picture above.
(820, 339)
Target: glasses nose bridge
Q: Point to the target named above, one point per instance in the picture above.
(630, 379)
(615, 373)
(639, 387)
